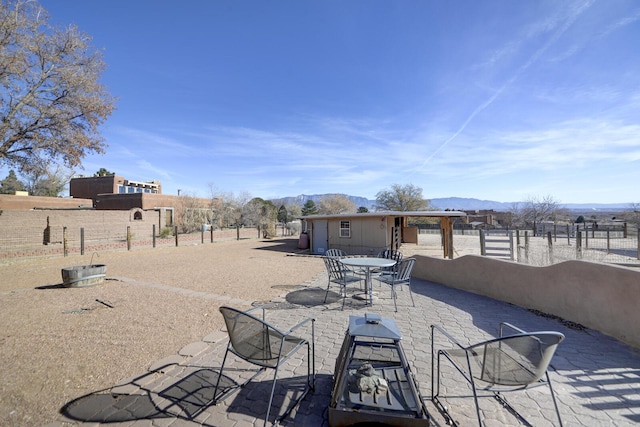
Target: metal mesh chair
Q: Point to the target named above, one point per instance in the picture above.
(339, 274)
(508, 363)
(400, 275)
(262, 344)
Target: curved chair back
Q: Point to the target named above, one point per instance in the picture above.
(404, 269)
(335, 253)
(390, 254)
(335, 269)
(251, 338)
(515, 360)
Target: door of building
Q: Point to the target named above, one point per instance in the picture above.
(320, 237)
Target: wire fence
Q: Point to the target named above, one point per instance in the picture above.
(606, 246)
(26, 242)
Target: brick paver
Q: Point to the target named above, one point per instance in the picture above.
(596, 378)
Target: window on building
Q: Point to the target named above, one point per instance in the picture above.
(137, 216)
(345, 228)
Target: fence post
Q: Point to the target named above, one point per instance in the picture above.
(568, 235)
(81, 240)
(608, 241)
(526, 246)
(579, 244)
(550, 247)
(483, 250)
(128, 237)
(153, 235)
(211, 232)
(624, 230)
(586, 238)
(202, 233)
(175, 232)
(65, 248)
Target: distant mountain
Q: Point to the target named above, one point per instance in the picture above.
(303, 198)
(456, 203)
(463, 204)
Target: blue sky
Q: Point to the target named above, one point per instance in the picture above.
(496, 100)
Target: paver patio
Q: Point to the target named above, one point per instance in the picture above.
(596, 378)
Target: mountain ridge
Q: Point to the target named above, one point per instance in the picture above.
(455, 203)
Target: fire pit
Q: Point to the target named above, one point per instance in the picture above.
(372, 381)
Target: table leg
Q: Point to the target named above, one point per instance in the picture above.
(368, 288)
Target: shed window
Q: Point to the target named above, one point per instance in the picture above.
(345, 228)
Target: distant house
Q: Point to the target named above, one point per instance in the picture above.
(371, 232)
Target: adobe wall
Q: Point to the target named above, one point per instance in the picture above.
(599, 296)
(11, 202)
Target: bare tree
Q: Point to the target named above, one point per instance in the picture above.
(335, 204)
(191, 213)
(261, 214)
(50, 182)
(51, 101)
(402, 198)
(537, 209)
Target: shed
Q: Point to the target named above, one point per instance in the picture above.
(371, 232)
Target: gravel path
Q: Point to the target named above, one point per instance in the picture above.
(61, 343)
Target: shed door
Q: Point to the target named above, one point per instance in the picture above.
(320, 237)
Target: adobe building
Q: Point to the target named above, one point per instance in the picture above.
(93, 186)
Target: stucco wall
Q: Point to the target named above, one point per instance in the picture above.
(369, 235)
(602, 297)
(11, 202)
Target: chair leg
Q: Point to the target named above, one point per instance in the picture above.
(411, 294)
(393, 294)
(553, 397)
(215, 391)
(273, 389)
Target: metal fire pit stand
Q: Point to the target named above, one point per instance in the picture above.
(372, 381)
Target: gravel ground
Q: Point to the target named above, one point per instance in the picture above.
(61, 343)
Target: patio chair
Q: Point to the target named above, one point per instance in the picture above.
(262, 344)
(390, 254)
(400, 275)
(508, 363)
(335, 253)
(339, 274)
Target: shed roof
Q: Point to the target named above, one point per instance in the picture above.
(429, 214)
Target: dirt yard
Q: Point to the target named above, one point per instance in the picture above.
(61, 343)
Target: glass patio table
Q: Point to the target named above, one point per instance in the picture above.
(367, 264)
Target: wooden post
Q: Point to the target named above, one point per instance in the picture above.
(65, 247)
(211, 233)
(483, 248)
(128, 237)
(549, 240)
(81, 240)
(608, 241)
(578, 244)
(153, 235)
(526, 246)
(175, 232)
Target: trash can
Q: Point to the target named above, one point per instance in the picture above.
(303, 242)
